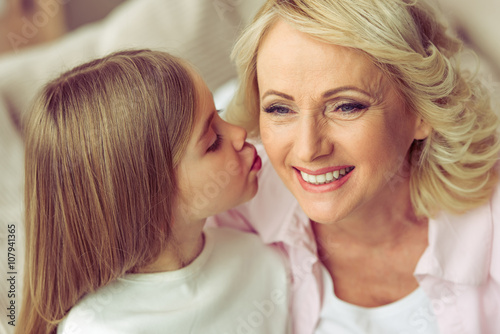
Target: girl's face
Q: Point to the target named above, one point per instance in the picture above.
(334, 127)
(219, 168)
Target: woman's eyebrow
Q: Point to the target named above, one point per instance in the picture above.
(331, 92)
(326, 94)
(274, 92)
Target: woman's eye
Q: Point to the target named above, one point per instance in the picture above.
(350, 108)
(347, 110)
(216, 144)
(280, 110)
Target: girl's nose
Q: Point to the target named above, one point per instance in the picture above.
(238, 136)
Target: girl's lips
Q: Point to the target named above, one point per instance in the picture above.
(257, 162)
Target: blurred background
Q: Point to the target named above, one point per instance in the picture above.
(476, 21)
(46, 20)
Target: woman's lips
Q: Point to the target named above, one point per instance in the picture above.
(322, 170)
(325, 179)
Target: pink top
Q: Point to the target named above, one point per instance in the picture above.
(459, 270)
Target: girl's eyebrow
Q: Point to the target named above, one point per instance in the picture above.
(206, 126)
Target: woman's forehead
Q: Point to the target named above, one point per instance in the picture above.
(290, 60)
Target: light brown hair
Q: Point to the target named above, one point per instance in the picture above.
(102, 144)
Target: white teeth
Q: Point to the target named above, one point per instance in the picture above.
(305, 177)
(326, 178)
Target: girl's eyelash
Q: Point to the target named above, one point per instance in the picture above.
(216, 144)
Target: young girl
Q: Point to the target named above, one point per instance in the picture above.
(126, 157)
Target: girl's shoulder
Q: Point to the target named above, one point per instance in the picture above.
(91, 313)
(238, 247)
(229, 271)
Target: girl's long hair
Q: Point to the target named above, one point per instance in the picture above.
(102, 144)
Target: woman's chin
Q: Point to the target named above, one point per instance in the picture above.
(323, 216)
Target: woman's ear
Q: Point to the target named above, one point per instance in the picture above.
(422, 129)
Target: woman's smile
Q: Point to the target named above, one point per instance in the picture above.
(321, 183)
(324, 179)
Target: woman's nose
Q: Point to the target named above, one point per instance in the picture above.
(312, 140)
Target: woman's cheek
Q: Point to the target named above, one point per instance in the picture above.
(272, 141)
(276, 134)
(266, 133)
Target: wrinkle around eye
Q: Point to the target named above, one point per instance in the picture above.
(353, 107)
(277, 109)
(346, 110)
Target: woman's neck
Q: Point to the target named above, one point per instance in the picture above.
(377, 249)
(184, 246)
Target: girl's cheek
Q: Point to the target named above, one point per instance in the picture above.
(233, 168)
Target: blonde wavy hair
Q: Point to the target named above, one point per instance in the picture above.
(453, 169)
(102, 144)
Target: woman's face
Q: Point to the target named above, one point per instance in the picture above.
(219, 168)
(334, 127)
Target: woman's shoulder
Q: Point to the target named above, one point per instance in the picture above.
(464, 248)
(495, 203)
(495, 214)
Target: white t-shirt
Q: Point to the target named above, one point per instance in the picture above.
(236, 285)
(411, 315)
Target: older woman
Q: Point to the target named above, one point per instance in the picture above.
(390, 151)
